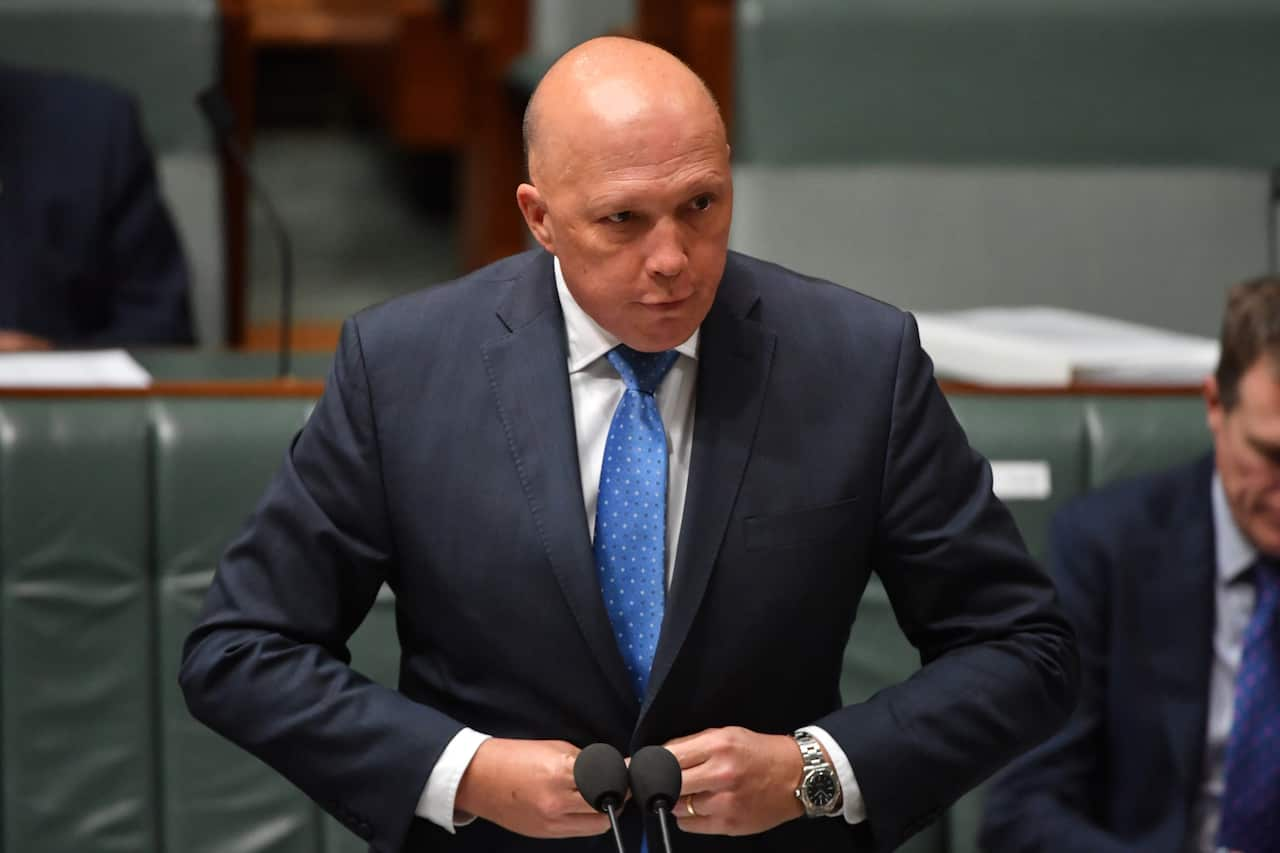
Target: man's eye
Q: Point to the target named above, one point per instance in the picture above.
(619, 217)
(702, 202)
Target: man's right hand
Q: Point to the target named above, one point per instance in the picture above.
(527, 786)
(12, 340)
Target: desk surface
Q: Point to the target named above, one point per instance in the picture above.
(197, 365)
(231, 373)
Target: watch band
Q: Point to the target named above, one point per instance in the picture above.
(810, 749)
(814, 761)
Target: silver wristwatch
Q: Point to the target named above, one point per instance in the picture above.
(819, 790)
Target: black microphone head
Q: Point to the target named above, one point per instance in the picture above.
(214, 104)
(655, 778)
(601, 776)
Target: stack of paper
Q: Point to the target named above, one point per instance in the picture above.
(90, 369)
(1057, 347)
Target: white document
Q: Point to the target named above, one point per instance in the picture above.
(1057, 346)
(113, 368)
(1021, 480)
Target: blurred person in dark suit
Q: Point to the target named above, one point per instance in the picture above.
(89, 256)
(1173, 585)
(629, 488)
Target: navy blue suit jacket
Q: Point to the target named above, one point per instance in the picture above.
(88, 253)
(1135, 567)
(442, 460)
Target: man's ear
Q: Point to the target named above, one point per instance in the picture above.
(1213, 403)
(535, 215)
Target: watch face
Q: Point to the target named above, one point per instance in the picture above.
(820, 790)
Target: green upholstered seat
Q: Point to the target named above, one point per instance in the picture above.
(113, 515)
(1044, 432)
(1131, 436)
(77, 641)
(213, 458)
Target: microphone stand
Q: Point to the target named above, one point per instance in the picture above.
(613, 824)
(663, 812)
(216, 109)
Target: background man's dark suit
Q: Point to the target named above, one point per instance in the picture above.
(88, 253)
(442, 459)
(1134, 565)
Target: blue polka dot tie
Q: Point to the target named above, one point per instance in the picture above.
(1251, 800)
(631, 513)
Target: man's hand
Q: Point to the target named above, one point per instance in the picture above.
(14, 341)
(741, 782)
(527, 786)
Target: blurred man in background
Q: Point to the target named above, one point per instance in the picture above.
(1173, 584)
(89, 256)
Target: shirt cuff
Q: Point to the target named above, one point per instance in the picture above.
(436, 802)
(855, 808)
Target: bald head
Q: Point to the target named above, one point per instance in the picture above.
(609, 86)
(630, 188)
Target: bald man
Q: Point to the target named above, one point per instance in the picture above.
(629, 488)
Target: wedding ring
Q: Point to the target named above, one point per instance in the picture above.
(688, 806)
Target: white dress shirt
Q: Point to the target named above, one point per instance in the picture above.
(596, 389)
(1234, 602)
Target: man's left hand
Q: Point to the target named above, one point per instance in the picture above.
(740, 782)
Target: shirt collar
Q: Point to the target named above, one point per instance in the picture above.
(1234, 553)
(588, 341)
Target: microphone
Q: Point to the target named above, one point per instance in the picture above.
(601, 777)
(655, 783)
(217, 110)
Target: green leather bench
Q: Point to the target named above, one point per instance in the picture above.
(1083, 442)
(113, 514)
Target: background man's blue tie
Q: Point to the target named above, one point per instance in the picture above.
(1251, 799)
(631, 514)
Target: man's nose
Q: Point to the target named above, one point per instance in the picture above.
(666, 257)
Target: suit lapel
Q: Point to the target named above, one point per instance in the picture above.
(528, 373)
(1178, 627)
(733, 368)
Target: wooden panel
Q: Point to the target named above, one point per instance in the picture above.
(323, 22)
(700, 32)
(305, 337)
(493, 160)
(215, 388)
(1076, 389)
(321, 28)
(428, 82)
(237, 83)
(708, 48)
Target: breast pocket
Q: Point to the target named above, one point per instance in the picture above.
(810, 526)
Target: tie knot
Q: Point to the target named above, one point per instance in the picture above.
(641, 371)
